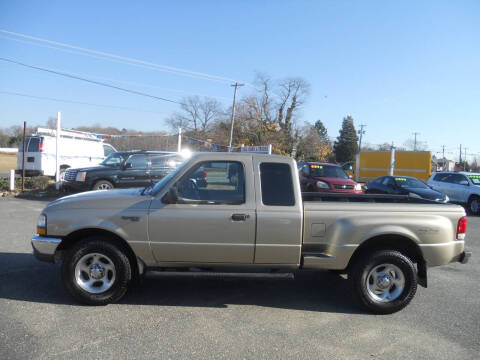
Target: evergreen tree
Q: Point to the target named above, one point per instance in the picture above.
(346, 145)
(321, 130)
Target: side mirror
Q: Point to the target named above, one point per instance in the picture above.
(171, 197)
(127, 166)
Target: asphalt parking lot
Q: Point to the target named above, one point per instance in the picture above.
(311, 317)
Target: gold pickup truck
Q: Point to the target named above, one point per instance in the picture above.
(246, 213)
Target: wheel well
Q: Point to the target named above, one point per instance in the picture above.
(76, 236)
(389, 242)
(473, 196)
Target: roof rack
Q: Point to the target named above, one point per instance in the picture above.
(74, 134)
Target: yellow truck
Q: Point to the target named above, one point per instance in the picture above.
(373, 164)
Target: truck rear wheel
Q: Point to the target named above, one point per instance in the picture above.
(96, 272)
(384, 282)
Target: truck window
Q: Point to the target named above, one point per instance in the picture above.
(138, 161)
(108, 150)
(213, 182)
(276, 184)
(33, 144)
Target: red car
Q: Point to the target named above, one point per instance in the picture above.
(324, 177)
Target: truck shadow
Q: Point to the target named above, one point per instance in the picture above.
(24, 278)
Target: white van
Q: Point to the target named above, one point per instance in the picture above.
(76, 148)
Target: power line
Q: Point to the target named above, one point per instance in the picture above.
(90, 81)
(129, 60)
(77, 102)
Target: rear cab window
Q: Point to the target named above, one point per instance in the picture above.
(276, 184)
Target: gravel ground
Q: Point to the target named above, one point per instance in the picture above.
(313, 316)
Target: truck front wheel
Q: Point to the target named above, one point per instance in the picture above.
(384, 282)
(96, 272)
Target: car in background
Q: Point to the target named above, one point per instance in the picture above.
(404, 185)
(325, 177)
(461, 187)
(123, 169)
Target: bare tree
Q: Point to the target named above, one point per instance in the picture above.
(209, 110)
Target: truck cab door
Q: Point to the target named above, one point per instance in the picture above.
(209, 221)
(279, 212)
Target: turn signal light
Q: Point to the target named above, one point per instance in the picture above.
(462, 228)
(41, 231)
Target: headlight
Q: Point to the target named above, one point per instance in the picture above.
(322, 185)
(358, 187)
(447, 199)
(42, 225)
(81, 176)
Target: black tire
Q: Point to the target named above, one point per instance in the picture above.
(103, 185)
(471, 205)
(361, 277)
(122, 271)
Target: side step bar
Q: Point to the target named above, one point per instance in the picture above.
(213, 274)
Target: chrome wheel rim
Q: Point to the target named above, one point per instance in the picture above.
(385, 283)
(104, 186)
(474, 205)
(95, 273)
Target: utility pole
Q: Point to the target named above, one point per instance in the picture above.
(443, 151)
(415, 141)
(23, 154)
(361, 132)
(236, 85)
(460, 154)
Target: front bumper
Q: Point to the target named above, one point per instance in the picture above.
(76, 185)
(44, 247)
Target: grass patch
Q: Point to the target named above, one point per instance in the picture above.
(8, 161)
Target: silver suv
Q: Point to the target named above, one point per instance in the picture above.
(461, 187)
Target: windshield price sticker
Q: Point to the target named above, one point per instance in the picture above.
(317, 167)
(400, 179)
(474, 176)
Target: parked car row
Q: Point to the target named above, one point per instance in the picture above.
(457, 187)
(142, 168)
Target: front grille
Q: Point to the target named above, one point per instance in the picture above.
(70, 175)
(343, 187)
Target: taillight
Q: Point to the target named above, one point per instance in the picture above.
(41, 145)
(462, 228)
(204, 174)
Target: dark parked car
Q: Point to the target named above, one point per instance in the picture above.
(123, 169)
(324, 177)
(404, 185)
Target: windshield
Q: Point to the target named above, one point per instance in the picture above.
(328, 171)
(475, 179)
(114, 159)
(410, 183)
(159, 185)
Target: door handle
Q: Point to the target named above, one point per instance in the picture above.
(240, 217)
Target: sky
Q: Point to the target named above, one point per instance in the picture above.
(397, 67)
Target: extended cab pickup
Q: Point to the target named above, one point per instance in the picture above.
(247, 214)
